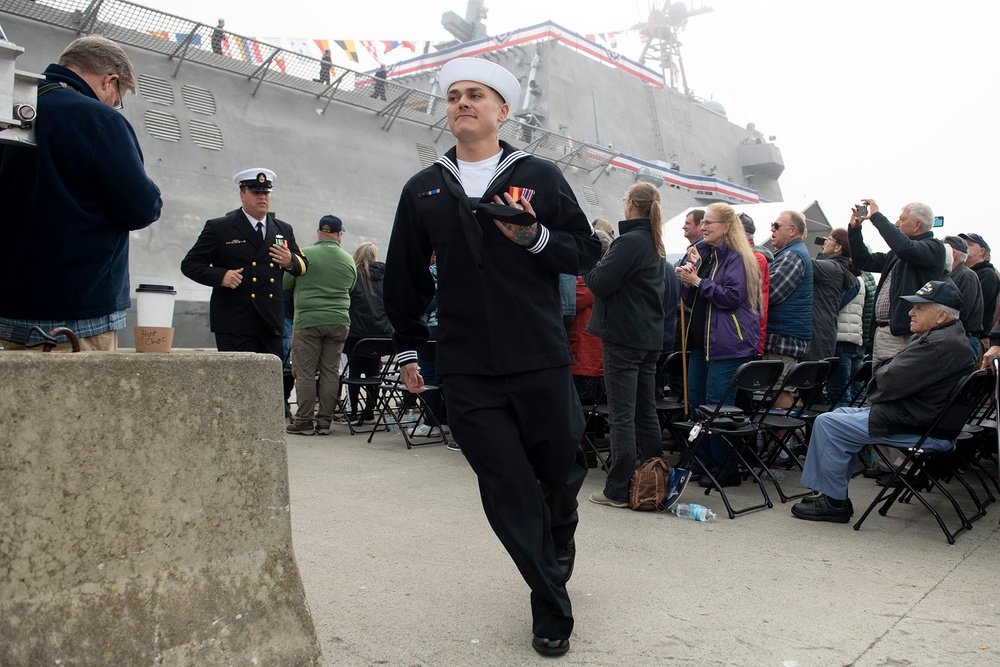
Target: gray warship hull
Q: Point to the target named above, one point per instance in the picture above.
(340, 148)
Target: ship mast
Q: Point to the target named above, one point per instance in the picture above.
(469, 28)
(663, 47)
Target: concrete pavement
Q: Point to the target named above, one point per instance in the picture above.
(401, 568)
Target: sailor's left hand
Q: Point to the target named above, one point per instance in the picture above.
(523, 235)
(281, 255)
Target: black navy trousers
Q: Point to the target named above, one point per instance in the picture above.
(521, 435)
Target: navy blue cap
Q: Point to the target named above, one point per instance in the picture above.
(976, 238)
(937, 291)
(331, 224)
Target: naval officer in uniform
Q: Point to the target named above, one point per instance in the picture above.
(242, 257)
(504, 225)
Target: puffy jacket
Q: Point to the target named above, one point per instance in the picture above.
(732, 327)
(850, 322)
(628, 286)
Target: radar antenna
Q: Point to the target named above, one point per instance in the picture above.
(662, 44)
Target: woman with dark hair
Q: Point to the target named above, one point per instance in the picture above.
(721, 283)
(628, 318)
(368, 320)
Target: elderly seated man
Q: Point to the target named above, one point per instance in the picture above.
(906, 393)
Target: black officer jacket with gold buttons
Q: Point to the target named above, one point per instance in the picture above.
(256, 307)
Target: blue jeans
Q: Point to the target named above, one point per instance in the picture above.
(836, 439)
(707, 381)
(630, 379)
(851, 357)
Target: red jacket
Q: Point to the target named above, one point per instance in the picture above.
(587, 350)
(765, 288)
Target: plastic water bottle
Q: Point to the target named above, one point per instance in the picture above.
(393, 425)
(693, 511)
(777, 475)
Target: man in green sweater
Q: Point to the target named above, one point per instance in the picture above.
(322, 320)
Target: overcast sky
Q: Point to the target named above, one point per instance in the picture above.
(890, 99)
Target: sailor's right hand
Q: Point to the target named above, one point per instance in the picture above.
(412, 379)
(233, 278)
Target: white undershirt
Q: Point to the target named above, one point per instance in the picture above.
(476, 175)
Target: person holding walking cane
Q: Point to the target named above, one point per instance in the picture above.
(721, 283)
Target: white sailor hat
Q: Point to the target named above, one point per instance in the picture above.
(257, 178)
(481, 71)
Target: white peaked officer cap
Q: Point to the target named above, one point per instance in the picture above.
(481, 71)
(257, 178)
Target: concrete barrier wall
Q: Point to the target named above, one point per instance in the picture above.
(144, 512)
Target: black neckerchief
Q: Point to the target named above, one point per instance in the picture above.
(467, 205)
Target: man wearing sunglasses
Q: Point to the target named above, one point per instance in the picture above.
(74, 198)
(790, 301)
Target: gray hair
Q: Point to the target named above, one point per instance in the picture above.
(921, 212)
(797, 220)
(98, 55)
(953, 313)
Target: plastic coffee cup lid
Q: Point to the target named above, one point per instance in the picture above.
(161, 289)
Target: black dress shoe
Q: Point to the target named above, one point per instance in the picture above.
(819, 509)
(550, 647)
(814, 499)
(566, 556)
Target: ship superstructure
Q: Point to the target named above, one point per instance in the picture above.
(346, 145)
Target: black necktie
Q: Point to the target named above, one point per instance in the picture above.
(260, 230)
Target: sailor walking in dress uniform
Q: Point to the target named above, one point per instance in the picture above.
(242, 256)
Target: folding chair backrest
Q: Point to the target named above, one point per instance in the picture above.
(864, 376)
(805, 375)
(968, 395)
(757, 376)
(808, 378)
(375, 348)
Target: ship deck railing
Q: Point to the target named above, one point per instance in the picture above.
(187, 41)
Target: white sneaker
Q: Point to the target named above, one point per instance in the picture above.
(427, 431)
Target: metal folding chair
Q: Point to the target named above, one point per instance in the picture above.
(807, 379)
(736, 429)
(371, 348)
(400, 401)
(925, 470)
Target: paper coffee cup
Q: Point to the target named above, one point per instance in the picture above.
(154, 305)
(153, 339)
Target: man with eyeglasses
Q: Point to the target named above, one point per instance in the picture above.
(74, 199)
(790, 302)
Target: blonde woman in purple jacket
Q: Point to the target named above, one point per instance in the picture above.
(722, 285)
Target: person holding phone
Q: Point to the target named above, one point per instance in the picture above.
(914, 258)
(239, 257)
